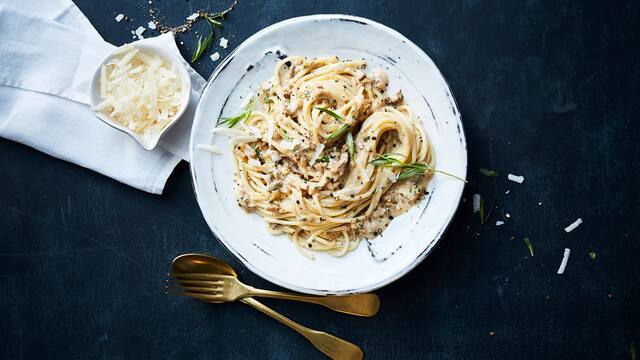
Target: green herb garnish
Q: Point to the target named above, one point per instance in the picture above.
(408, 170)
(232, 121)
(489, 173)
(633, 350)
(323, 159)
(593, 255)
(352, 149)
(284, 134)
(330, 113)
(202, 46)
(341, 130)
(529, 246)
(212, 20)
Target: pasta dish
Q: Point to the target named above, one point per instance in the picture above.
(325, 155)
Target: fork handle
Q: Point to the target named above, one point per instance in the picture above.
(360, 304)
(330, 345)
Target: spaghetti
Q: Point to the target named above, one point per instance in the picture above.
(330, 158)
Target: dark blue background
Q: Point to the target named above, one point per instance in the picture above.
(547, 89)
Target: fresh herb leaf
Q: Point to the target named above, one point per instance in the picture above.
(330, 113)
(341, 130)
(232, 121)
(409, 170)
(593, 255)
(489, 173)
(255, 148)
(529, 246)
(352, 149)
(284, 134)
(482, 211)
(633, 350)
(323, 159)
(203, 45)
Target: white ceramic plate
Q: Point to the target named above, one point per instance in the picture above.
(410, 237)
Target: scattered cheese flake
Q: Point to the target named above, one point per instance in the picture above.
(210, 148)
(151, 25)
(476, 203)
(507, 192)
(254, 130)
(499, 222)
(193, 16)
(254, 162)
(247, 99)
(515, 178)
(215, 56)
(287, 145)
(316, 153)
(507, 215)
(139, 32)
(119, 17)
(230, 132)
(565, 259)
(573, 226)
(224, 43)
(540, 203)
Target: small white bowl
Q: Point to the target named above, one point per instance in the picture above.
(147, 141)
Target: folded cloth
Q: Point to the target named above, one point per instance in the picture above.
(48, 58)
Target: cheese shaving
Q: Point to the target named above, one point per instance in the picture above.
(573, 226)
(139, 91)
(515, 178)
(565, 259)
(210, 148)
(316, 153)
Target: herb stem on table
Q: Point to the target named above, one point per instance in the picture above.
(213, 19)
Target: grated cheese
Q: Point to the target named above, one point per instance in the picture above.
(139, 90)
(210, 148)
(193, 16)
(215, 56)
(499, 222)
(316, 153)
(565, 259)
(515, 178)
(119, 17)
(573, 226)
(151, 25)
(476, 203)
(224, 43)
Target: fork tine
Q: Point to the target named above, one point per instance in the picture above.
(200, 290)
(207, 297)
(203, 283)
(198, 276)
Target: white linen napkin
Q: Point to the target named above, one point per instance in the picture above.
(48, 57)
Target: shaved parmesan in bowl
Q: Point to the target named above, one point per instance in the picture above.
(141, 90)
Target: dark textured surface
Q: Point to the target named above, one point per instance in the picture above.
(547, 89)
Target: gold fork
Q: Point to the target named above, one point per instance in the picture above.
(330, 345)
(221, 288)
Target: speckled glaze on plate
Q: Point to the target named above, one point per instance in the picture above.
(410, 237)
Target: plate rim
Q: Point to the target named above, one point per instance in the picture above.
(422, 255)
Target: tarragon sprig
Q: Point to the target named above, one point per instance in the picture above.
(408, 170)
(352, 149)
(232, 121)
(341, 130)
(330, 113)
(212, 20)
